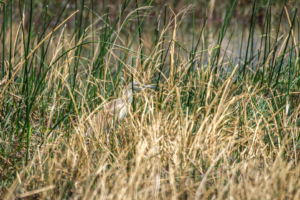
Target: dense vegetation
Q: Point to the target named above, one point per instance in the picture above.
(222, 123)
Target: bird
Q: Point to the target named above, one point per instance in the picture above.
(116, 108)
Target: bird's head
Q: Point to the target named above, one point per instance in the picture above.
(136, 86)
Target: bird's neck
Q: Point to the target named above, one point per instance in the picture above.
(127, 96)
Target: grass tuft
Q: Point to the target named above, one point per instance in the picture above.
(223, 122)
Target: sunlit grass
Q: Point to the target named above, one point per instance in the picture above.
(223, 122)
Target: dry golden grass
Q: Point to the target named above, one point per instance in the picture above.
(233, 141)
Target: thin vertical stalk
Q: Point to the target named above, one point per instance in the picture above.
(286, 44)
(275, 48)
(10, 39)
(249, 37)
(140, 34)
(26, 77)
(3, 32)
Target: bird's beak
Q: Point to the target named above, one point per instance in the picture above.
(148, 86)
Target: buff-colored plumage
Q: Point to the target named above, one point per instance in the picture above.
(116, 109)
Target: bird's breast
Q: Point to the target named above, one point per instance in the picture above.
(123, 112)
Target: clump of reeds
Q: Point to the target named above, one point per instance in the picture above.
(222, 124)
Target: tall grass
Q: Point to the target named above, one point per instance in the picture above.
(223, 122)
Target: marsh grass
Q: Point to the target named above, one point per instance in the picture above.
(223, 122)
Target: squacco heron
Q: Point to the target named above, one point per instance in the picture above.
(117, 107)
